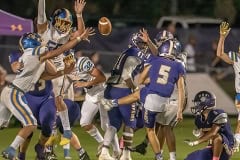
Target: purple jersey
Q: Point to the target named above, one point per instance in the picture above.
(164, 73)
(218, 117)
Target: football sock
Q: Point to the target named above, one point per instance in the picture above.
(17, 142)
(94, 132)
(64, 119)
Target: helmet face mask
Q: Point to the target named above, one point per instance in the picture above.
(167, 49)
(62, 20)
(137, 42)
(29, 40)
(203, 100)
(163, 36)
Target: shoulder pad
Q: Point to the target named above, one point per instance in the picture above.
(222, 118)
(84, 64)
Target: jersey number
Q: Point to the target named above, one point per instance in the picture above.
(163, 74)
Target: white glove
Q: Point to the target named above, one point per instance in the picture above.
(191, 143)
(196, 133)
(108, 104)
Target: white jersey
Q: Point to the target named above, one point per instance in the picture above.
(234, 56)
(53, 39)
(32, 70)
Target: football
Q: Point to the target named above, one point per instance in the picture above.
(104, 26)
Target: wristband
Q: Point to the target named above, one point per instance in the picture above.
(79, 39)
(79, 15)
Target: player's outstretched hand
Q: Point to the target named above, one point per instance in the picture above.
(179, 116)
(88, 32)
(191, 143)
(79, 6)
(144, 35)
(224, 29)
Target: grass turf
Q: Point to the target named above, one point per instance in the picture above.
(183, 131)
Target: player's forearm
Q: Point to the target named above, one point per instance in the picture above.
(41, 18)
(134, 97)
(46, 76)
(96, 81)
(152, 47)
(80, 22)
(181, 94)
(220, 51)
(61, 49)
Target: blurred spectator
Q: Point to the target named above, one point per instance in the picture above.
(3, 81)
(191, 53)
(78, 54)
(219, 68)
(95, 57)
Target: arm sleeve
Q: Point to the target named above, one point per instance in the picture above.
(42, 18)
(129, 66)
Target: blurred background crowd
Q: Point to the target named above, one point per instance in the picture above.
(194, 22)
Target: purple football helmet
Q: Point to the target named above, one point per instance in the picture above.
(203, 100)
(136, 41)
(167, 49)
(163, 36)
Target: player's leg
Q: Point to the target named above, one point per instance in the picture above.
(160, 134)
(149, 119)
(217, 147)
(23, 148)
(128, 113)
(47, 114)
(237, 131)
(74, 112)
(115, 122)
(104, 124)
(63, 114)
(5, 116)
(16, 102)
(88, 111)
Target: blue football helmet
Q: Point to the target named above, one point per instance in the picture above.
(62, 20)
(136, 41)
(203, 100)
(29, 40)
(163, 36)
(167, 49)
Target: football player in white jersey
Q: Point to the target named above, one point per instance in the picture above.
(233, 59)
(13, 97)
(55, 33)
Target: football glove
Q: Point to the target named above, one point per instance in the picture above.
(224, 28)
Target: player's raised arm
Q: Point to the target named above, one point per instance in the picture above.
(78, 7)
(181, 97)
(224, 30)
(41, 18)
(53, 53)
(145, 37)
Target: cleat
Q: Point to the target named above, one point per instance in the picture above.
(67, 157)
(116, 154)
(125, 158)
(84, 156)
(39, 149)
(105, 157)
(99, 149)
(141, 148)
(9, 153)
(65, 139)
(50, 156)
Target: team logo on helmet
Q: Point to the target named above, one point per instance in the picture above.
(203, 100)
(62, 20)
(163, 36)
(29, 40)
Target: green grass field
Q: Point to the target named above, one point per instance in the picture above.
(183, 131)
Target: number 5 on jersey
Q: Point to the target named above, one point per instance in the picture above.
(163, 74)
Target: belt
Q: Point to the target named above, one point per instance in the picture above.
(11, 85)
